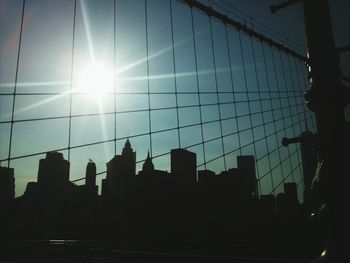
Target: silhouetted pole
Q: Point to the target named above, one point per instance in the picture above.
(326, 98)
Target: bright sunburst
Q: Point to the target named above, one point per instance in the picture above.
(96, 80)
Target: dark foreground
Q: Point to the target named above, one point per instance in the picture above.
(105, 252)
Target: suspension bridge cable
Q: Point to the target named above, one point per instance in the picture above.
(148, 83)
(72, 80)
(278, 87)
(246, 88)
(214, 158)
(217, 88)
(160, 131)
(270, 100)
(241, 27)
(174, 66)
(197, 81)
(288, 102)
(263, 27)
(114, 76)
(140, 110)
(232, 86)
(259, 98)
(261, 107)
(167, 153)
(16, 81)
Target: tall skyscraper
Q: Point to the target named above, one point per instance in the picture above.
(119, 169)
(7, 184)
(148, 166)
(184, 164)
(90, 179)
(246, 166)
(53, 175)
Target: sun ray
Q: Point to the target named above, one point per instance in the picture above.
(158, 53)
(87, 30)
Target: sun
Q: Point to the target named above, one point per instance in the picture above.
(96, 80)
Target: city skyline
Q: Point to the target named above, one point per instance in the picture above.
(309, 161)
(178, 203)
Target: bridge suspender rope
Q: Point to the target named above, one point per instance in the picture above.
(16, 83)
(71, 80)
(115, 76)
(148, 84)
(175, 77)
(270, 100)
(233, 88)
(284, 121)
(247, 91)
(198, 88)
(217, 89)
(278, 86)
(262, 115)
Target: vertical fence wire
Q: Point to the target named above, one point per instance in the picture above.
(261, 109)
(217, 90)
(198, 87)
(16, 83)
(148, 81)
(71, 80)
(279, 101)
(233, 88)
(115, 77)
(270, 102)
(175, 77)
(289, 107)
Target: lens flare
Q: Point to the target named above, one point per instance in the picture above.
(96, 80)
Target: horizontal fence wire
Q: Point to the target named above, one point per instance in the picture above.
(171, 129)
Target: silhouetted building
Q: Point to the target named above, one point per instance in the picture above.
(148, 166)
(53, 190)
(246, 166)
(31, 190)
(119, 169)
(281, 209)
(7, 184)
(267, 206)
(90, 174)
(129, 157)
(184, 164)
(287, 204)
(116, 191)
(90, 181)
(205, 173)
(53, 175)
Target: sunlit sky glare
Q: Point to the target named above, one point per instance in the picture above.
(100, 60)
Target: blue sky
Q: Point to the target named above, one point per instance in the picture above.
(169, 74)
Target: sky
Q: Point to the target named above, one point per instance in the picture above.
(232, 77)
